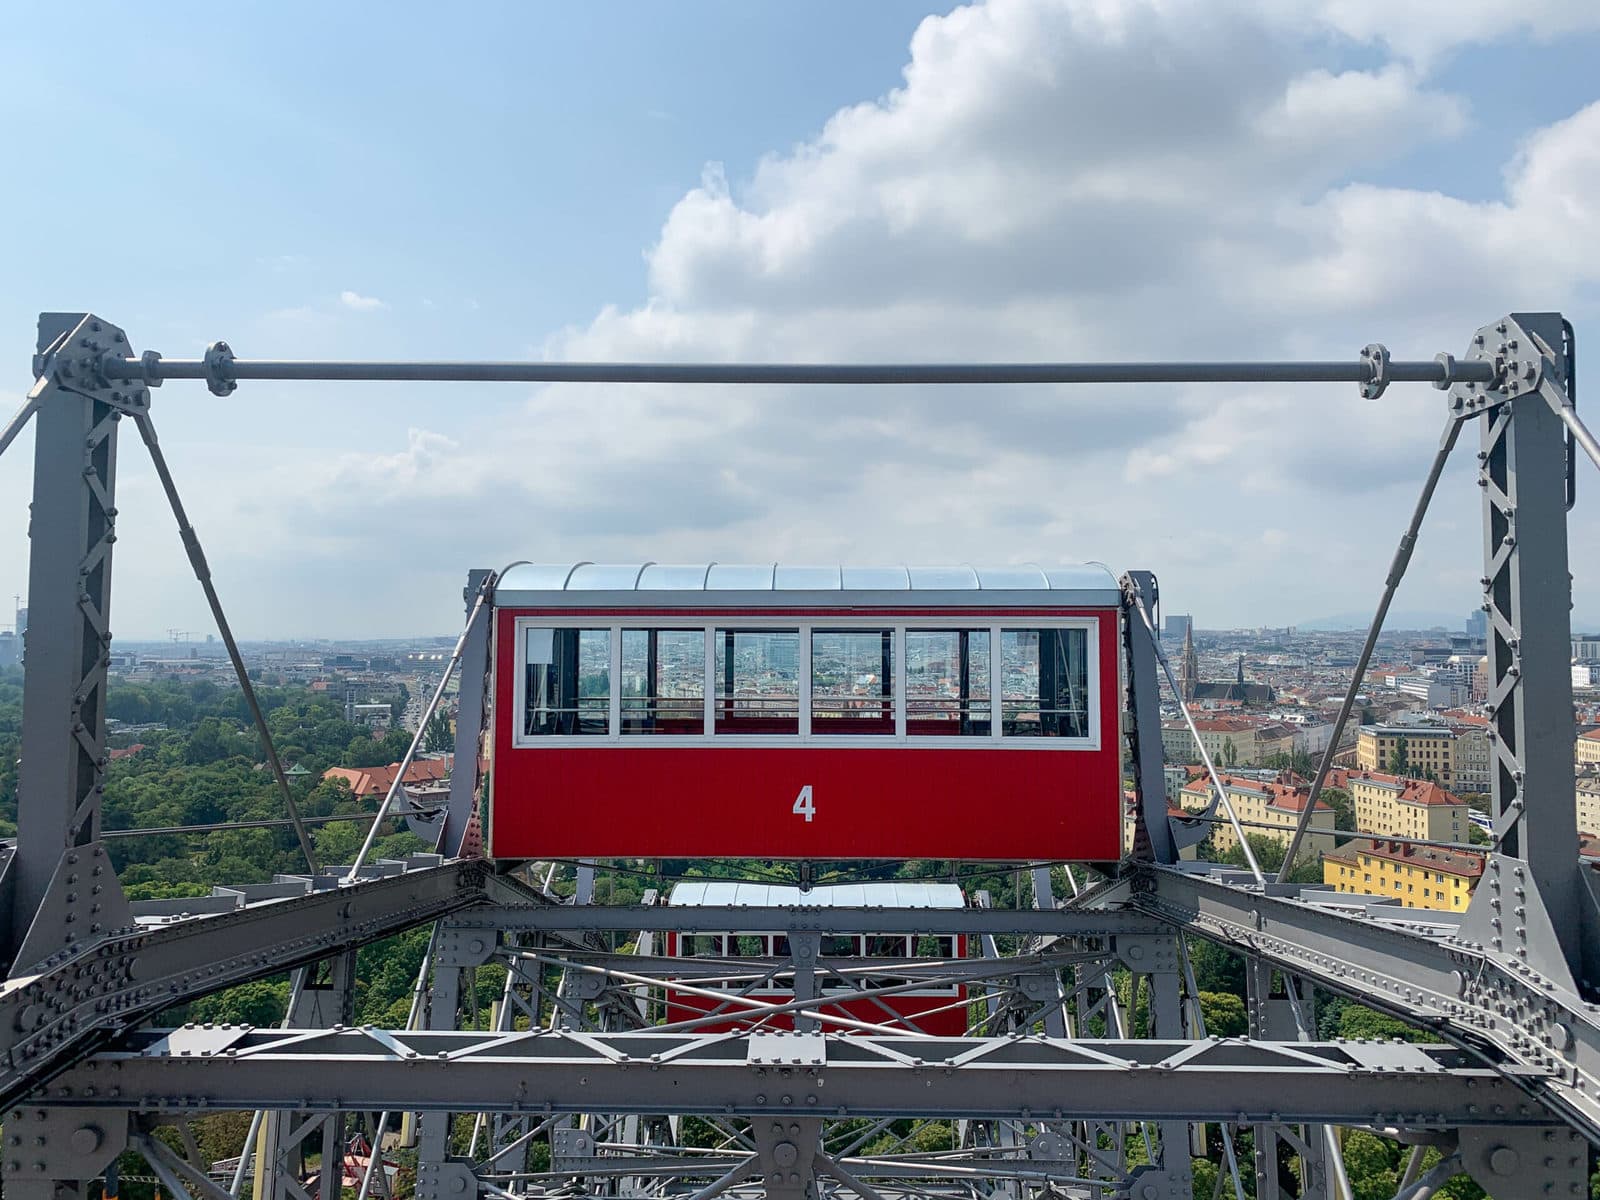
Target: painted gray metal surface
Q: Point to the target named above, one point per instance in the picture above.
(71, 533)
(554, 918)
(1527, 591)
(775, 585)
(51, 1017)
(224, 370)
(1462, 990)
(767, 1073)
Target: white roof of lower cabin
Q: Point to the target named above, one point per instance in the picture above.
(703, 893)
(651, 585)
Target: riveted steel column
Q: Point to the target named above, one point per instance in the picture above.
(1527, 591)
(71, 531)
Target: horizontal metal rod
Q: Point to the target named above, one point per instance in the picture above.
(1353, 371)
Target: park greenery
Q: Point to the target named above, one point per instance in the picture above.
(201, 764)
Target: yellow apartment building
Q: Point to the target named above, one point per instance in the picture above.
(1589, 801)
(1396, 806)
(1588, 748)
(1417, 876)
(1428, 748)
(1270, 810)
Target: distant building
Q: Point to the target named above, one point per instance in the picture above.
(1585, 646)
(1417, 876)
(1269, 810)
(1588, 747)
(1426, 749)
(1194, 688)
(1478, 625)
(9, 649)
(1230, 741)
(369, 782)
(1176, 628)
(1471, 759)
(1398, 806)
(1589, 801)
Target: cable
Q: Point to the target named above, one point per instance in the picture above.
(202, 572)
(1397, 572)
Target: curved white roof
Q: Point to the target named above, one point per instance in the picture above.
(702, 893)
(653, 585)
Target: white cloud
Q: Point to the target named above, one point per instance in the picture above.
(1057, 180)
(360, 303)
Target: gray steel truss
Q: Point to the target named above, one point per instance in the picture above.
(1085, 1070)
(781, 1072)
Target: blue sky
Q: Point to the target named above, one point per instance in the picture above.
(519, 180)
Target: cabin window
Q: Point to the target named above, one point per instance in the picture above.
(703, 945)
(929, 946)
(852, 681)
(947, 683)
(758, 681)
(663, 681)
(1045, 674)
(838, 945)
(886, 945)
(568, 681)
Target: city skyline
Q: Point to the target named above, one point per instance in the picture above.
(1014, 180)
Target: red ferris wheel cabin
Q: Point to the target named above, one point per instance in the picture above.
(806, 712)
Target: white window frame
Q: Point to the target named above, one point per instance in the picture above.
(614, 623)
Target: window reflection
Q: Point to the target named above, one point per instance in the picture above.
(568, 681)
(947, 682)
(852, 674)
(663, 681)
(1046, 682)
(758, 681)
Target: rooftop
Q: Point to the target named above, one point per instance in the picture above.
(1465, 863)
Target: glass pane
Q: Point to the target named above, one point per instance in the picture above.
(835, 945)
(758, 681)
(947, 682)
(663, 681)
(929, 946)
(881, 945)
(568, 681)
(1046, 682)
(705, 945)
(747, 945)
(852, 674)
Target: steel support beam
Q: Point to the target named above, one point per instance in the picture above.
(60, 779)
(1448, 985)
(1527, 589)
(1016, 1078)
(591, 918)
(50, 1018)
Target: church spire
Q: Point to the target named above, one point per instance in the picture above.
(1189, 668)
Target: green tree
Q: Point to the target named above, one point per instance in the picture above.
(1223, 1013)
(1344, 812)
(1357, 1021)
(1230, 753)
(1400, 758)
(440, 738)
